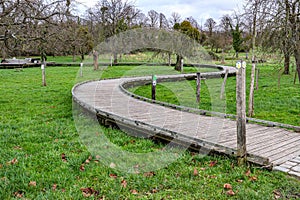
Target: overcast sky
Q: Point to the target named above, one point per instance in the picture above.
(199, 9)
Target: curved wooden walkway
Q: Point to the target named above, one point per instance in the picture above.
(265, 145)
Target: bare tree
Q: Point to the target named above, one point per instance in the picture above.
(175, 19)
(210, 24)
(114, 16)
(163, 22)
(153, 18)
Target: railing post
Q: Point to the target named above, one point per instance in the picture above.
(198, 89)
(154, 82)
(241, 112)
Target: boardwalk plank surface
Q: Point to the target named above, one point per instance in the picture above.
(279, 145)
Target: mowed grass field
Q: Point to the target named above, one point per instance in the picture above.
(42, 156)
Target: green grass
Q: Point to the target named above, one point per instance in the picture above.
(37, 127)
(270, 102)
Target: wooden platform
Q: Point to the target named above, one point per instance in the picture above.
(265, 145)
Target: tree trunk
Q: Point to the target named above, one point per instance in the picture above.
(297, 57)
(115, 58)
(169, 59)
(286, 64)
(178, 64)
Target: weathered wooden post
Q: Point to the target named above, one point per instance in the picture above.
(154, 82)
(181, 67)
(81, 69)
(198, 88)
(257, 79)
(43, 74)
(95, 59)
(241, 112)
(111, 60)
(224, 84)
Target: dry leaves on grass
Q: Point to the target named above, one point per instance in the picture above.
(54, 187)
(18, 148)
(253, 178)
(124, 183)
(277, 194)
(149, 174)
(64, 157)
(195, 173)
(81, 168)
(32, 183)
(229, 191)
(114, 176)
(13, 162)
(134, 192)
(19, 194)
(87, 192)
(248, 173)
(227, 186)
(213, 163)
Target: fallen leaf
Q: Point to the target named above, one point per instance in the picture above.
(232, 165)
(32, 183)
(19, 194)
(253, 178)
(153, 191)
(13, 161)
(18, 148)
(239, 181)
(63, 190)
(1, 166)
(277, 194)
(64, 157)
(81, 168)
(113, 176)
(230, 193)
(54, 186)
(124, 183)
(248, 173)
(134, 192)
(87, 192)
(132, 141)
(149, 174)
(90, 158)
(195, 173)
(203, 169)
(213, 163)
(227, 186)
(87, 161)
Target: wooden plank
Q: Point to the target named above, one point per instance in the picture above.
(284, 150)
(275, 146)
(274, 140)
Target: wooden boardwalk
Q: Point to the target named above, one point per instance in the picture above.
(106, 97)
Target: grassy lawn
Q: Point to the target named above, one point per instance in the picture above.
(42, 156)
